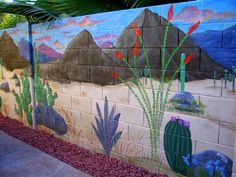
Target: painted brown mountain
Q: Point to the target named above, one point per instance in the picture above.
(83, 60)
(152, 27)
(9, 53)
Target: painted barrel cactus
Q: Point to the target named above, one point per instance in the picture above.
(177, 144)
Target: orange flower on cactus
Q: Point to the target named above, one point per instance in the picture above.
(119, 55)
(193, 27)
(136, 30)
(135, 50)
(188, 58)
(170, 13)
(115, 75)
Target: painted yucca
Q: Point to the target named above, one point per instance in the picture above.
(107, 125)
(177, 144)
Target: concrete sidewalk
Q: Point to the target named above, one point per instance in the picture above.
(18, 159)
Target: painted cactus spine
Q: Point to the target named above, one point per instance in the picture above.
(177, 144)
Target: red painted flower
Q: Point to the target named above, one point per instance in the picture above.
(135, 50)
(119, 55)
(170, 13)
(193, 27)
(188, 58)
(115, 75)
(136, 30)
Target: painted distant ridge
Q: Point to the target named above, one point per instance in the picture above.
(222, 52)
(83, 60)
(46, 54)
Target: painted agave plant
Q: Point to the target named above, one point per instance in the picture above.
(107, 125)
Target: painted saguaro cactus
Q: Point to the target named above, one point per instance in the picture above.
(177, 144)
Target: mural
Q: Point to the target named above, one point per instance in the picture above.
(148, 62)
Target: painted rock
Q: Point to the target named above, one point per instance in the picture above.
(213, 163)
(4, 86)
(184, 101)
(15, 76)
(48, 117)
(17, 84)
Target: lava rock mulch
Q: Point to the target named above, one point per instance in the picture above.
(93, 164)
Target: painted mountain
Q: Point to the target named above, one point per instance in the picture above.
(222, 52)
(46, 54)
(9, 53)
(83, 60)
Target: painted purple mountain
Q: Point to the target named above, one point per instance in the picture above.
(46, 54)
(219, 45)
(106, 44)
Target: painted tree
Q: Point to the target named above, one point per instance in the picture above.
(153, 110)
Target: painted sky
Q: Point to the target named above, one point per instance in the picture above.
(106, 27)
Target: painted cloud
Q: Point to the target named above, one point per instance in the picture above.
(86, 21)
(192, 14)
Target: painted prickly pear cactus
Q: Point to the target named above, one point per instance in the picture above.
(50, 97)
(23, 100)
(177, 143)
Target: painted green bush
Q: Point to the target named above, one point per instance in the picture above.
(23, 99)
(177, 144)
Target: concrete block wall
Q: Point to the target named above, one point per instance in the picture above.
(84, 68)
(212, 131)
(76, 103)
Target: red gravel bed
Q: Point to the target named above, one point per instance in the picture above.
(93, 164)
